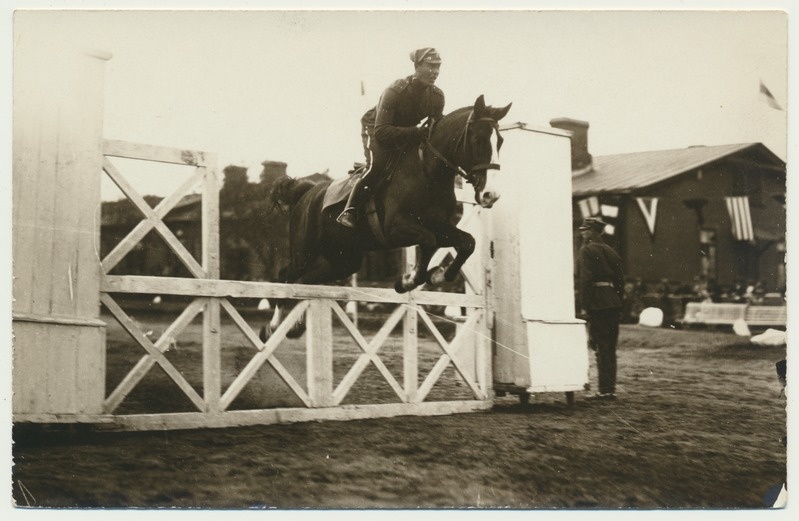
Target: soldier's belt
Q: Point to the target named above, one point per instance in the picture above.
(603, 284)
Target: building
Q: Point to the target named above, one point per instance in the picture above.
(703, 213)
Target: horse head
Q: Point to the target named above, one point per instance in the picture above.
(469, 139)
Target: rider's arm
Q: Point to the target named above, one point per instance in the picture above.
(388, 134)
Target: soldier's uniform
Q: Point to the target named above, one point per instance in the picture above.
(390, 127)
(601, 290)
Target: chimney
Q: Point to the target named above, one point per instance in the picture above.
(581, 159)
(234, 176)
(272, 170)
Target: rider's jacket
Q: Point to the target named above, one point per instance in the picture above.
(404, 104)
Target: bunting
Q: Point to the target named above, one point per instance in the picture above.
(589, 207)
(649, 209)
(740, 218)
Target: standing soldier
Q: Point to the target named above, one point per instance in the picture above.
(600, 295)
(390, 127)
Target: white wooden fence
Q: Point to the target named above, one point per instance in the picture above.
(320, 397)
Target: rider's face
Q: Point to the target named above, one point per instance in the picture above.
(427, 73)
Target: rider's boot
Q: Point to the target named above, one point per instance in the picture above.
(349, 216)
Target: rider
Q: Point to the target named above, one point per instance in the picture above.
(391, 125)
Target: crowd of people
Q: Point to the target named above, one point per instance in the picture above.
(671, 297)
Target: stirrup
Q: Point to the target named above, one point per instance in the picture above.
(347, 217)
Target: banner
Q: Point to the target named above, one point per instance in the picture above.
(589, 207)
(649, 209)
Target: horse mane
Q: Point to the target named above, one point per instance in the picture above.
(287, 190)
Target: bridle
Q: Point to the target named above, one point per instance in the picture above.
(469, 176)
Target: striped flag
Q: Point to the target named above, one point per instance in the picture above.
(768, 97)
(741, 218)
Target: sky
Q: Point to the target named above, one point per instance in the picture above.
(292, 86)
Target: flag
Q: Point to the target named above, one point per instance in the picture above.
(741, 218)
(589, 207)
(649, 209)
(768, 97)
(609, 210)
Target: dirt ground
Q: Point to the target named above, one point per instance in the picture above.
(697, 425)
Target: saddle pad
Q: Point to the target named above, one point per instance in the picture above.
(339, 190)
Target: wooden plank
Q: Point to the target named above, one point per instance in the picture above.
(67, 182)
(210, 222)
(127, 189)
(26, 366)
(145, 342)
(46, 221)
(91, 363)
(153, 218)
(124, 246)
(212, 354)
(177, 247)
(146, 362)
(448, 356)
(369, 355)
(250, 289)
(58, 320)
(168, 203)
(319, 346)
(265, 354)
(482, 355)
(25, 180)
(177, 156)
(60, 369)
(198, 420)
(410, 354)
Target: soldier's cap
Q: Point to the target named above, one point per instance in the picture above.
(425, 55)
(592, 223)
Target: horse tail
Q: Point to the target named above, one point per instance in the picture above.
(288, 190)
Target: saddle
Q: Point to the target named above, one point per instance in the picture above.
(339, 190)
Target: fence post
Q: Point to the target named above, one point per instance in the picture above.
(319, 352)
(410, 339)
(212, 373)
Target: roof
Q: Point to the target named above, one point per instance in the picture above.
(626, 172)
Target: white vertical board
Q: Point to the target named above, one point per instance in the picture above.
(59, 341)
(540, 345)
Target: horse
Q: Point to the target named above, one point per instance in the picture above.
(415, 205)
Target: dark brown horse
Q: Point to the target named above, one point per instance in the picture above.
(416, 205)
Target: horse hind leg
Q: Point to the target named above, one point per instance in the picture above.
(277, 317)
(322, 271)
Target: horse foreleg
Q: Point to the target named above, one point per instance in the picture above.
(464, 245)
(410, 234)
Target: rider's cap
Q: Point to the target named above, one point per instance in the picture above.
(425, 55)
(592, 223)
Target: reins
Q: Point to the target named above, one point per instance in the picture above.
(468, 176)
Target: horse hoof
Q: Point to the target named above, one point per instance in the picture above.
(296, 331)
(436, 276)
(399, 287)
(263, 334)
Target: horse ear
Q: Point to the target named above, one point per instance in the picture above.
(479, 105)
(501, 113)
